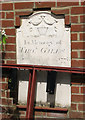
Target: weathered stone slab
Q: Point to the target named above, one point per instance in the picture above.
(43, 39)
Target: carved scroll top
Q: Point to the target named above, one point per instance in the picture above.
(42, 19)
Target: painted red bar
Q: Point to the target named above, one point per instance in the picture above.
(29, 90)
(51, 109)
(46, 68)
(39, 66)
(32, 94)
(44, 108)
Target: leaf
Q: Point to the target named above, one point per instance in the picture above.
(4, 39)
(10, 80)
(0, 42)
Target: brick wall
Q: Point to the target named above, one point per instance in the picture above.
(74, 12)
(78, 96)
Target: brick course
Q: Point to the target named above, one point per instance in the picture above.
(64, 4)
(74, 89)
(74, 36)
(77, 10)
(44, 4)
(10, 15)
(82, 36)
(60, 11)
(74, 19)
(7, 6)
(78, 45)
(78, 63)
(24, 5)
(10, 31)
(7, 23)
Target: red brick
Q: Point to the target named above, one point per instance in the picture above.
(77, 98)
(82, 19)
(78, 45)
(17, 21)
(81, 107)
(74, 54)
(22, 112)
(78, 28)
(78, 63)
(7, 6)
(7, 101)
(44, 114)
(22, 117)
(24, 5)
(0, 101)
(44, 4)
(82, 54)
(2, 79)
(4, 85)
(82, 36)
(23, 13)
(76, 115)
(3, 94)
(10, 62)
(60, 11)
(0, 23)
(73, 106)
(7, 23)
(50, 114)
(0, 6)
(74, 19)
(83, 90)
(73, 36)
(38, 113)
(63, 4)
(10, 31)
(83, 3)
(0, 86)
(10, 47)
(4, 101)
(67, 20)
(8, 94)
(77, 10)
(2, 15)
(10, 56)
(76, 83)
(11, 40)
(10, 15)
(74, 89)
(0, 116)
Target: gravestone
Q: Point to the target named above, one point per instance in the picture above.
(43, 39)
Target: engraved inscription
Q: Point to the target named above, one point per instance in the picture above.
(43, 39)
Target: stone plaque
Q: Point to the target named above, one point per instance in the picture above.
(43, 39)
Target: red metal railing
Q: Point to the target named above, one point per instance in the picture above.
(46, 68)
(32, 80)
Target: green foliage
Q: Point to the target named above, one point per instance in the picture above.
(3, 38)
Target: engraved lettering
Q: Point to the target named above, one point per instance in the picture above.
(43, 34)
